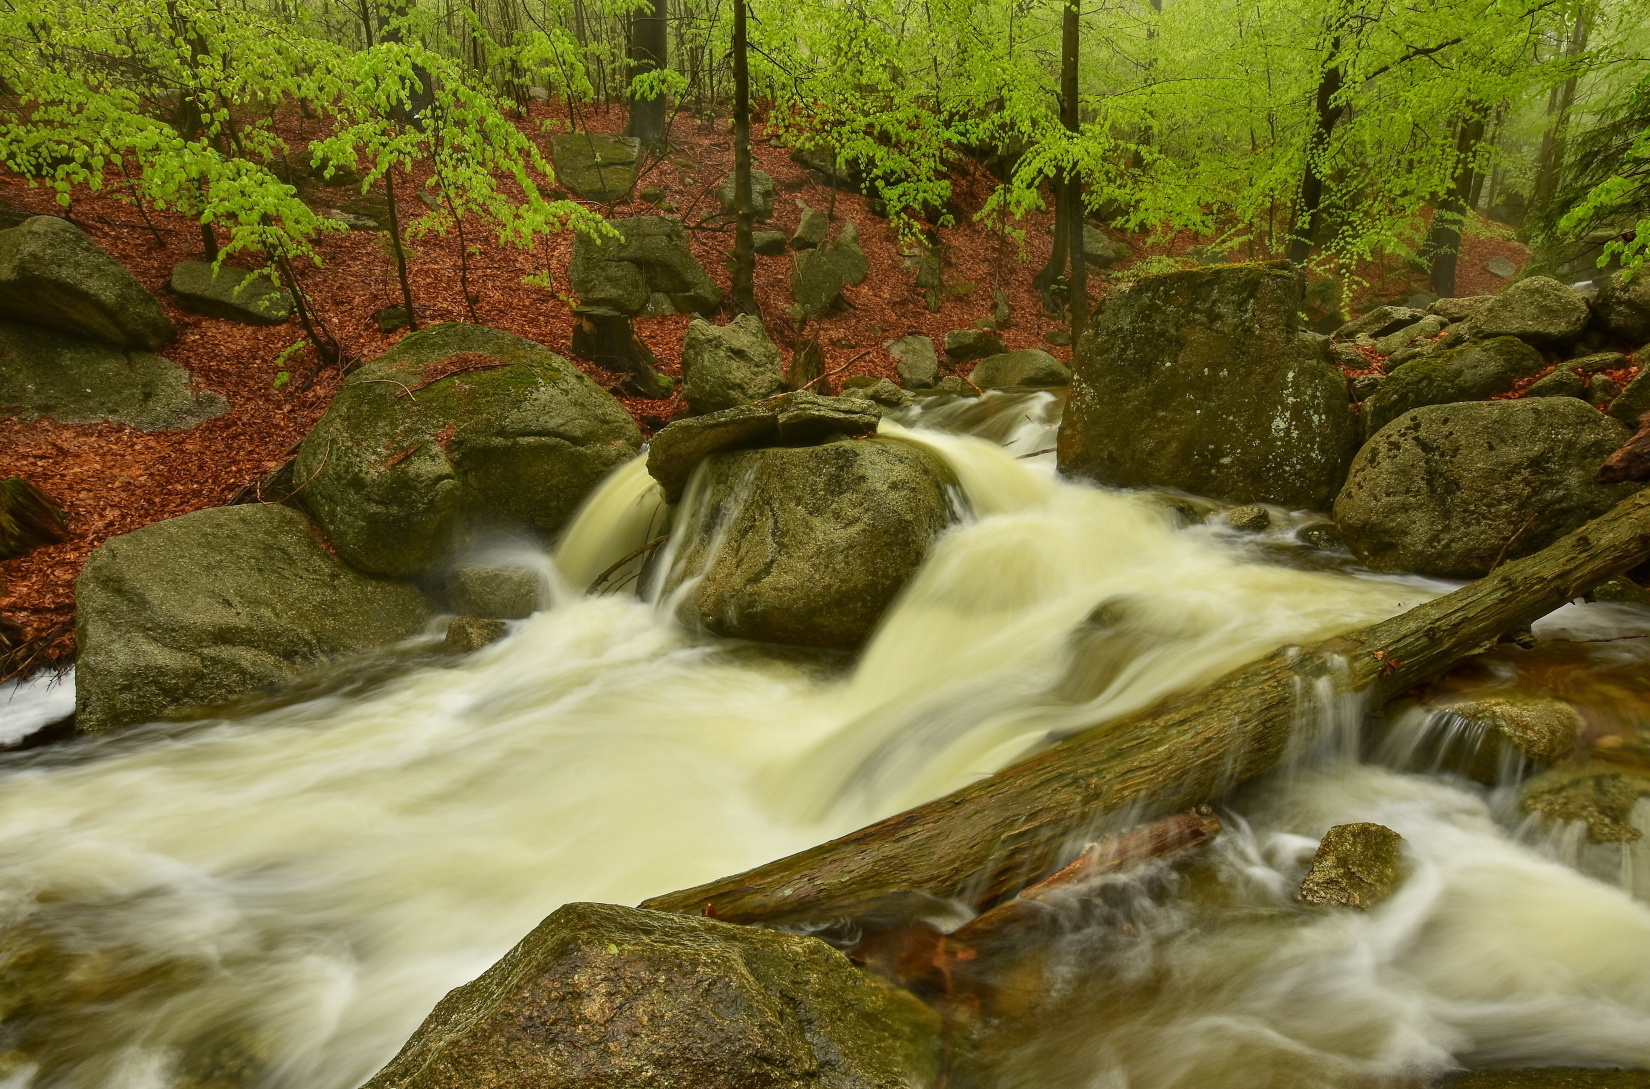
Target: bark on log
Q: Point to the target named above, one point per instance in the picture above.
(1005, 832)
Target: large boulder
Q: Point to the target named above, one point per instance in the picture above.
(195, 610)
(1199, 380)
(1028, 367)
(595, 167)
(1539, 310)
(1623, 306)
(1481, 369)
(818, 274)
(1449, 490)
(74, 380)
(648, 271)
(808, 545)
(601, 995)
(51, 274)
(728, 365)
(228, 292)
(762, 194)
(454, 427)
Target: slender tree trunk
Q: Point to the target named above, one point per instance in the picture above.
(1550, 161)
(1078, 281)
(744, 247)
(1308, 218)
(326, 345)
(648, 44)
(209, 241)
(400, 253)
(1443, 244)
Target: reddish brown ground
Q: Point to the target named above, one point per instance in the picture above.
(113, 479)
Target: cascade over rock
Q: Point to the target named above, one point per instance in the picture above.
(195, 610)
(1199, 380)
(808, 545)
(51, 274)
(75, 380)
(602, 995)
(1449, 490)
(648, 271)
(456, 425)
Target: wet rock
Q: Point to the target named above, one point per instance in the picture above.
(494, 591)
(1448, 490)
(762, 193)
(965, 344)
(468, 634)
(1030, 367)
(1356, 866)
(1599, 793)
(1379, 322)
(1620, 590)
(1479, 370)
(455, 427)
(728, 365)
(1563, 382)
(595, 167)
(814, 542)
(195, 610)
(1459, 308)
(1252, 518)
(818, 275)
(768, 243)
(915, 360)
(1197, 380)
(1541, 729)
(52, 275)
(648, 271)
(806, 418)
(813, 228)
(1623, 306)
(45, 373)
(956, 386)
(1321, 535)
(601, 995)
(235, 294)
(1539, 310)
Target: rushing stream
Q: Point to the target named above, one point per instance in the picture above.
(278, 899)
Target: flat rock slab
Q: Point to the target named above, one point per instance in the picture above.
(51, 274)
(595, 167)
(230, 292)
(45, 373)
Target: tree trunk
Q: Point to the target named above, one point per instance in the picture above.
(1550, 161)
(1078, 280)
(1308, 218)
(1443, 244)
(648, 45)
(396, 248)
(744, 247)
(987, 840)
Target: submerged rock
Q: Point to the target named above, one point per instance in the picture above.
(1356, 866)
(457, 425)
(595, 167)
(648, 270)
(235, 294)
(1030, 367)
(1449, 490)
(809, 545)
(468, 634)
(728, 365)
(195, 610)
(1471, 373)
(1197, 380)
(51, 274)
(1252, 518)
(74, 380)
(1541, 729)
(600, 995)
(1599, 793)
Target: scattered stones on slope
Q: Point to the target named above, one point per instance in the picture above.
(809, 545)
(1451, 490)
(1029, 367)
(762, 194)
(602, 995)
(229, 292)
(595, 167)
(915, 360)
(648, 271)
(192, 611)
(728, 365)
(46, 373)
(818, 275)
(1356, 866)
(1481, 369)
(962, 345)
(812, 228)
(1199, 380)
(51, 274)
(457, 427)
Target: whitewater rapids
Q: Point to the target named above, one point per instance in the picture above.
(295, 889)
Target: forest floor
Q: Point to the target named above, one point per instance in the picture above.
(113, 479)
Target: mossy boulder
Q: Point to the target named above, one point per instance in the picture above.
(1029, 367)
(819, 274)
(1601, 794)
(71, 379)
(595, 167)
(811, 228)
(762, 194)
(915, 360)
(1634, 400)
(1538, 309)
(600, 995)
(495, 591)
(456, 426)
(728, 365)
(196, 610)
(1516, 726)
(1356, 866)
(51, 274)
(648, 271)
(1479, 370)
(808, 545)
(1448, 490)
(1623, 306)
(228, 292)
(1200, 380)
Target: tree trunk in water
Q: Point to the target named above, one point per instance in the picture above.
(987, 840)
(648, 46)
(744, 248)
(400, 253)
(1308, 218)
(1443, 244)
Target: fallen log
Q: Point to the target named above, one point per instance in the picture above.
(991, 838)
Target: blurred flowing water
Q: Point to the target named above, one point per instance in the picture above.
(278, 898)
